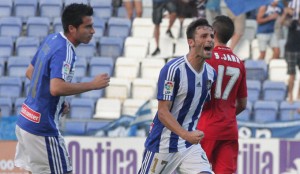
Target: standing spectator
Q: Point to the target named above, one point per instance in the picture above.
(266, 35)
(183, 86)
(292, 46)
(229, 98)
(41, 147)
(157, 14)
(130, 5)
(239, 27)
(201, 6)
(212, 9)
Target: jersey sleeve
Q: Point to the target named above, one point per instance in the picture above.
(167, 84)
(58, 65)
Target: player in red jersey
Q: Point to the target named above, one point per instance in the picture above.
(228, 99)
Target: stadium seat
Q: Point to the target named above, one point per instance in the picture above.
(147, 8)
(6, 46)
(87, 50)
(131, 106)
(166, 46)
(175, 28)
(265, 111)
(256, 69)
(102, 8)
(94, 125)
(254, 90)
(68, 2)
(10, 87)
(38, 27)
(94, 94)
(17, 66)
(181, 47)
(142, 28)
(50, 9)
(6, 106)
(136, 47)
(57, 25)
(10, 26)
(185, 24)
(150, 68)
(250, 30)
(81, 108)
(74, 127)
(121, 12)
(118, 27)
(6, 7)
(242, 50)
(2, 67)
(278, 70)
(274, 91)
(18, 105)
(127, 68)
(245, 115)
(289, 111)
(144, 88)
(99, 65)
(25, 9)
(118, 88)
(111, 46)
(109, 109)
(255, 51)
(81, 68)
(27, 46)
(99, 27)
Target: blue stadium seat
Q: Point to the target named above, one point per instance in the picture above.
(102, 8)
(17, 66)
(57, 25)
(81, 108)
(6, 7)
(6, 46)
(25, 9)
(11, 26)
(18, 105)
(100, 65)
(75, 127)
(111, 46)
(119, 27)
(81, 68)
(99, 26)
(256, 69)
(27, 46)
(38, 27)
(50, 9)
(94, 125)
(254, 90)
(6, 106)
(265, 111)
(289, 111)
(121, 12)
(10, 87)
(274, 90)
(246, 114)
(94, 94)
(68, 2)
(2, 67)
(87, 50)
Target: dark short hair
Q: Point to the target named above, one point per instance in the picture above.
(190, 31)
(224, 28)
(73, 14)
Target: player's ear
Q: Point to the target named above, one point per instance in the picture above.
(191, 42)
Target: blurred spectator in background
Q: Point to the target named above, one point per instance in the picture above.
(201, 8)
(212, 9)
(291, 18)
(239, 27)
(185, 9)
(266, 35)
(157, 14)
(131, 6)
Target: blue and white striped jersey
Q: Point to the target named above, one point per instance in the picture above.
(188, 90)
(41, 111)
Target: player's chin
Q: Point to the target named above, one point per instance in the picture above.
(87, 40)
(207, 54)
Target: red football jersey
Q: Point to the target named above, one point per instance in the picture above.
(218, 118)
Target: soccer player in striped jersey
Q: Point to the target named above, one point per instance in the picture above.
(41, 148)
(183, 86)
(229, 98)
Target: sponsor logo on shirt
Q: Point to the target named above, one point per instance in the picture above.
(30, 114)
(168, 87)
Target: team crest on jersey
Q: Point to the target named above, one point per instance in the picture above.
(208, 84)
(168, 87)
(66, 68)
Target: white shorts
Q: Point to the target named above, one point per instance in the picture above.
(265, 39)
(40, 154)
(192, 161)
